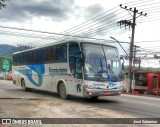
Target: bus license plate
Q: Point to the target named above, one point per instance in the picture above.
(107, 93)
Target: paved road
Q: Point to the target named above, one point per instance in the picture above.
(137, 106)
(132, 105)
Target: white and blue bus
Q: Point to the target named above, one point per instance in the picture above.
(76, 67)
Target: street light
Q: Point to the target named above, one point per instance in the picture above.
(124, 51)
(119, 44)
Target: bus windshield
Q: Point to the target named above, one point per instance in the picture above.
(101, 63)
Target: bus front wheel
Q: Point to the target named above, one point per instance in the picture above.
(63, 92)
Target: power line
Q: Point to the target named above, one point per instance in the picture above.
(147, 41)
(51, 33)
(101, 28)
(97, 22)
(38, 31)
(131, 3)
(91, 21)
(149, 18)
(29, 35)
(42, 31)
(67, 35)
(142, 5)
(152, 47)
(151, 12)
(154, 20)
(15, 28)
(149, 8)
(138, 3)
(97, 27)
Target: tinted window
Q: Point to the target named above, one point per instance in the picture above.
(40, 56)
(32, 57)
(61, 52)
(15, 60)
(50, 53)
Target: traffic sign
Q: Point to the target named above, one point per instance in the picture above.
(6, 65)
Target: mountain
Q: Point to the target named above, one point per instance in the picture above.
(7, 50)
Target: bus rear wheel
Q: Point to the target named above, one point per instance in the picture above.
(24, 86)
(63, 92)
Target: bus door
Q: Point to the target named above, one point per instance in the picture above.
(75, 65)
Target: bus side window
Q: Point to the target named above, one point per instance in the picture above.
(50, 54)
(47, 57)
(26, 58)
(32, 57)
(61, 52)
(21, 58)
(40, 55)
(15, 60)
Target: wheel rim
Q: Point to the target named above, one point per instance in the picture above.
(63, 93)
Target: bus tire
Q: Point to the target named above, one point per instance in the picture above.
(24, 86)
(62, 91)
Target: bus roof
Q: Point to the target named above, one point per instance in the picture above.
(70, 40)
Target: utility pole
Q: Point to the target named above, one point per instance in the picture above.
(135, 60)
(139, 63)
(132, 24)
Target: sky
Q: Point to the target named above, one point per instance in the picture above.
(57, 16)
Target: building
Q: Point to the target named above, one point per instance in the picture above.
(145, 82)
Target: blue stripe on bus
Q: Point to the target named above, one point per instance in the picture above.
(39, 69)
(111, 84)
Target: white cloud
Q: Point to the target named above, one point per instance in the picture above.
(59, 15)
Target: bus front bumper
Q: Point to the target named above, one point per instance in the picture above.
(101, 92)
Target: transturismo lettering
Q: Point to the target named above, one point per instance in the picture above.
(56, 70)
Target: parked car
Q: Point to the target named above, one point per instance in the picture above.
(155, 91)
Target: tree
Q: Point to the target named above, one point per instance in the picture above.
(2, 3)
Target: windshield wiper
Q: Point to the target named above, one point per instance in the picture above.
(112, 72)
(101, 65)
